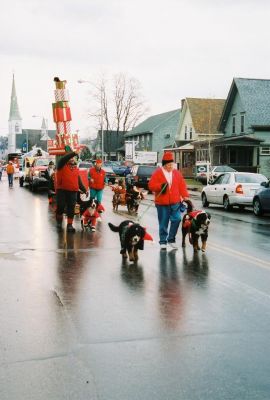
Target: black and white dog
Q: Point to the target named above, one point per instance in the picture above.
(195, 224)
(132, 238)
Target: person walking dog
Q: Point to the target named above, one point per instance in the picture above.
(170, 190)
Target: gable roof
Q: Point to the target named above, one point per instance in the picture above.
(255, 97)
(205, 111)
(156, 121)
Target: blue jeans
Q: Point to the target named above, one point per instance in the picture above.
(168, 214)
(96, 194)
(10, 179)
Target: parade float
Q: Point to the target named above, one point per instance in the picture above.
(65, 140)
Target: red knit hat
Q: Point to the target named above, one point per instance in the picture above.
(167, 157)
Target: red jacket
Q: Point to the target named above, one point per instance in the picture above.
(98, 178)
(90, 218)
(67, 178)
(172, 195)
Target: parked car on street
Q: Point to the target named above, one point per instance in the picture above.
(261, 200)
(121, 170)
(232, 189)
(85, 165)
(215, 171)
(110, 174)
(140, 175)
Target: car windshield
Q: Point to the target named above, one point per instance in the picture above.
(85, 165)
(224, 168)
(250, 178)
(108, 169)
(146, 170)
(42, 162)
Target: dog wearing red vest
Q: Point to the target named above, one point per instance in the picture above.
(195, 224)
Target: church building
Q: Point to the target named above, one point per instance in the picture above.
(23, 140)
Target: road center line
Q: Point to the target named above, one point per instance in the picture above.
(258, 261)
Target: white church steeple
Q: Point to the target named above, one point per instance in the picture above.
(14, 121)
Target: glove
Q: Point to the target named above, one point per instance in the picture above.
(164, 187)
(182, 207)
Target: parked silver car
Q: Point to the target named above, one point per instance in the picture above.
(232, 189)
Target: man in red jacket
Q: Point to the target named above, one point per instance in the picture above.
(68, 183)
(170, 190)
(97, 178)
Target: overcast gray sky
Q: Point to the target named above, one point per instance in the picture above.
(175, 48)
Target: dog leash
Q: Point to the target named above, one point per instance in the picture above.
(139, 218)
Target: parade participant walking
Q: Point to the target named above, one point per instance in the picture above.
(170, 190)
(97, 177)
(68, 183)
(50, 176)
(10, 172)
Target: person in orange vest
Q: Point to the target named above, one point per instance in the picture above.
(10, 172)
(170, 190)
(97, 177)
(68, 182)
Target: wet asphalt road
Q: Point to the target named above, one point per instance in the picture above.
(77, 323)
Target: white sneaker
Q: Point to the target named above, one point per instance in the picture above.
(163, 247)
(173, 246)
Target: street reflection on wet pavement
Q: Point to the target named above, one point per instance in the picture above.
(79, 322)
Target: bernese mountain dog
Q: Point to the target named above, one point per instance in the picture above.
(195, 224)
(132, 237)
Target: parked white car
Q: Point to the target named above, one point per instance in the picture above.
(219, 170)
(232, 189)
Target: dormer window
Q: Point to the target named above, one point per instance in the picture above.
(186, 132)
(190, 133)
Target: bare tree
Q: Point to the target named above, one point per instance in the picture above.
(99, 111)
(118, 105)
(128, 102)
(118, 102)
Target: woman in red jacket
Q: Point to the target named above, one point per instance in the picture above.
(97, 178)
(170, 190)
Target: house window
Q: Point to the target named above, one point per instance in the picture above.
(190, 133)
(233, 124)
(16, 127)
(242, 123)
(185, 132)
(148, 142)
(142, 144)
(265, 151)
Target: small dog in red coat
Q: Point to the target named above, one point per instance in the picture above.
(90, 215)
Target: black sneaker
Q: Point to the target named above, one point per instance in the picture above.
(70, 228)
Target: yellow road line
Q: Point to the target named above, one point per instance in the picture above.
(245, 256)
